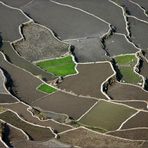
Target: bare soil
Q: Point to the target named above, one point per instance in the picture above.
(88, 81)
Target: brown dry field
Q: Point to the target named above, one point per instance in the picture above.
(9, 23)
(39, 43)
(21, 109)
(76, 24)
(88, 81)
(6, 98)
(97, 7)
(24, 83)
(61, 102)
(133, 134)
(35, 132)
(87, 139)
(140, 120)
(135, 104)
(13, 135)
(16, 3)
(2, 83)
(53, 143)
(118, 91)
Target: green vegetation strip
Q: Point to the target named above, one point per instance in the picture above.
(126, 65)
(46, 88)
(106, 116)
(59, 67)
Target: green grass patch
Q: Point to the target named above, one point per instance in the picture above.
(46, 88)
(126, 65)
(59, 67)
(107, 116)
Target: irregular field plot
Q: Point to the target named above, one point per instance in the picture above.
(107, 116)
(14, 58)
(22, 111)
(118, 91)
(86, 138)
(11, 135)
(16, 3)
(139, 32)
(60, 102)
(53, 143)
(46, 88)
(97, 8)
(24, 84)
(39, 43)
(35, 132)
(117, 44)
(10, 26)
(132, 9)
(88, 81)
(76, 24)
(133, 134)
(140, 120)
(126, 65)
(59, 67)
(7, 98)
(135, 104)
(2, 83)
(88, 50)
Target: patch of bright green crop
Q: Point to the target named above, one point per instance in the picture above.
(126, 65)
(60, 67)
(125, 59)
(46, 88)
(107, 116)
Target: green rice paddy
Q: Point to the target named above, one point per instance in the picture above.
(59, 67)
(46, 88)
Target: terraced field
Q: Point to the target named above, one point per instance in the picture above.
(73, 73)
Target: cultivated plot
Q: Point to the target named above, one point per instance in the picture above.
(76, 24)
(117, 44)
(7, 98)
(97, 7)
(86, 138)
(106, 116)
(22, 83)
(132, 9)
(136, 104)
(16, 3)
(140, 120)
(61, 102)
(53, 143)
(2, 83)
(39, 43)
(88, 50)
(88, 81)
(23, 112)
(62, 66)
(133, 134)
(119, 91)
(16, 59)
(35, 132)
(10, 134)
(142, 3)
(139, 32)
(10, 26)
